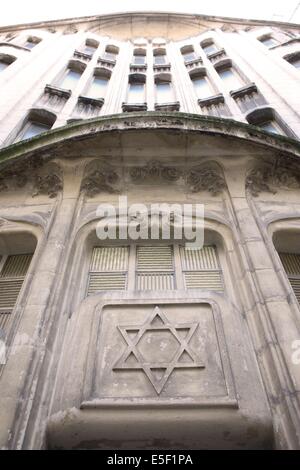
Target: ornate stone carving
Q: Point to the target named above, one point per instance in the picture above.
(269, 179)
(205, 178)
(155, 169)
(44, 180)
(50, 184)
(141, 352)
(98, 180)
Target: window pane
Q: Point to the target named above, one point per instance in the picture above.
(3, 66)
(89, 50)
(98, 87)
(202, 87)
(109, 56)
(270, 126)
(159, 59)
(34, 129)
(269, 42)
(139, 59)
(70, 80)
(189, 56)
(295, 63)
(136, 93)
(164, 93)
(230, 79)
(209, 49)
(29, 44)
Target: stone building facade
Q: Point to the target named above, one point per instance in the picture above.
(146, 344)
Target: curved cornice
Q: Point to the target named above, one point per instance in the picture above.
(189, 18)
(49, 144)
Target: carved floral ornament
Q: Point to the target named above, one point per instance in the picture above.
(199, 178)
(271, 178)
(44, 180)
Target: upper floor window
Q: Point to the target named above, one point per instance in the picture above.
(188, 53)
(111, 52)
(37, 121)
(294, 59)
(202, 85)
(91, 45)
(136, 89)
(72, 74)
(230, 77)
(209, 46)
(164, 89)
(269, 120)
(98, 85)
(31, 42)
(5, 61)
(160, 57)
(139, 57)
(154, 267)
(268, 41)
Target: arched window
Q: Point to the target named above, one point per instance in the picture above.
(91, 45)
(5, 61)
(293, 59)
(31, 42)
(139, 56)
(229, 75)
(269, 120)
(154, 267)
(201, 83)
(37, 121)
(136, 89)
(111, 52)
(208, 46)
(164, 88)
(268, 40)
(72, 75)
(98, 85)
(188, 53)
(160, 56)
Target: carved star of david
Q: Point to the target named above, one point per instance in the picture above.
(132, 358)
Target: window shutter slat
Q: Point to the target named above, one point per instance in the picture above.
(106, 281)
(291, 263)
(9, 291)
(155, 281)
(154, 258)
(295, 283)
(16, 266)
(201, 268)
(109, 259)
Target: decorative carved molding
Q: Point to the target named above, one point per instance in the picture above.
(205, 178)
(44, 180)
(155, 169)
(269, 179)
(50, 184)
(98, 180)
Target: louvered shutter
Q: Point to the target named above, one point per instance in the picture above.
(108, 271)
(11, 280)
(201, 269)
(155, 268)
(291, 264)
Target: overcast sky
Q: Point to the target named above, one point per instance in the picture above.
(25, 11)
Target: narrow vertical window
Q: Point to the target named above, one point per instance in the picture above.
(201, 269)
(155, 268)
(202, 86)
(98, 87)
(230, 78)
(209, 47)
(164, 90)
(108, 269)
(70, 80)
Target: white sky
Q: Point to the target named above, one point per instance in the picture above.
(25, 11)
